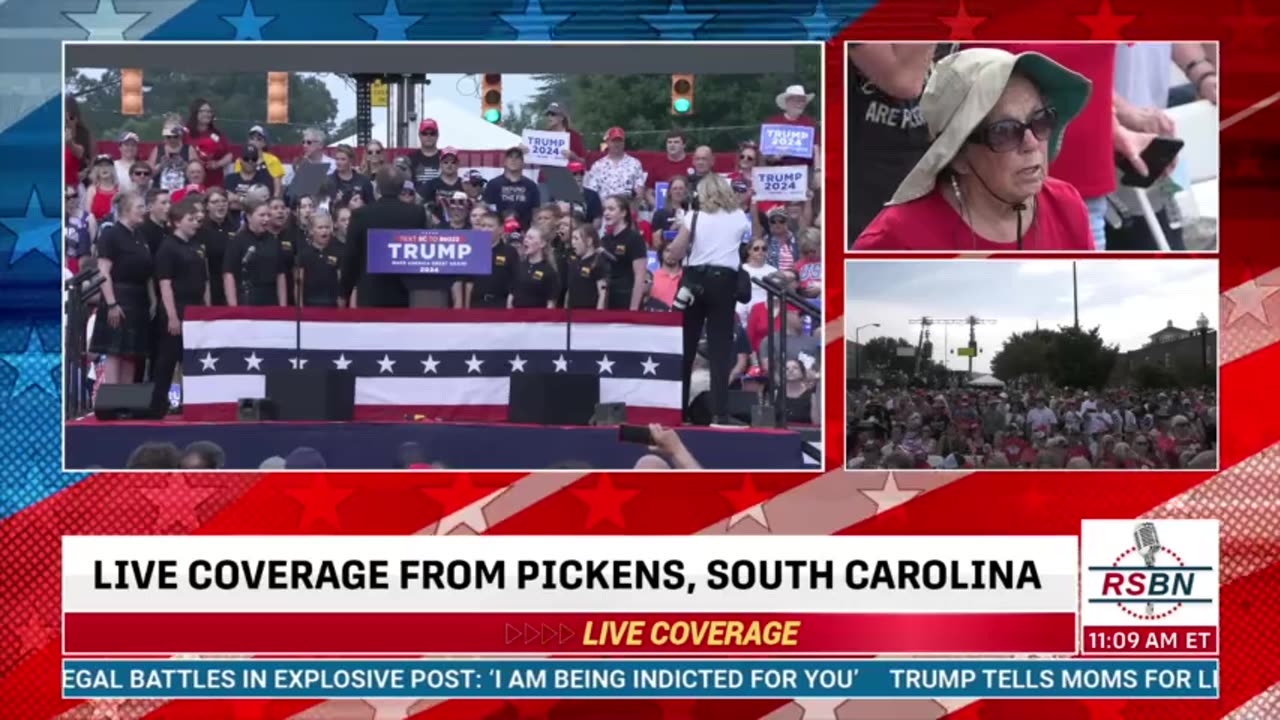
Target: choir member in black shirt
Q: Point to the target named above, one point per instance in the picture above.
(215, 233)
(319, 265)
(123, 326)
(588, 271)
(182, 272)
(494, 290)
(254, 268)
(628, 255)
(156, 224)
(290, 236)
(537, 283)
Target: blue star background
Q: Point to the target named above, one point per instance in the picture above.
(30, 193)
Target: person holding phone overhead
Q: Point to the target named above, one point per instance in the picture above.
(997, 121)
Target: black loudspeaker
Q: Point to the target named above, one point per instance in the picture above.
(134, 401)
(553, 398)
(306, 394)
(610, 414)
(255, 409)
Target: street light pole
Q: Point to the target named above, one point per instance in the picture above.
(1202, 326)
(857, 349)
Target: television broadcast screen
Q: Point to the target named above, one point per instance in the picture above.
(435, 360)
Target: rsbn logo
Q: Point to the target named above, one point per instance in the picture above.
(1149, 580)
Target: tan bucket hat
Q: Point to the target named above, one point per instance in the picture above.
(961, 91)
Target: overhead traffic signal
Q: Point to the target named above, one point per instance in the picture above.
(131, 92)
(682, 94)
(491, 97)
(277, 97)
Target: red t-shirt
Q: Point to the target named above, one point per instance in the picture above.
(1014, 449)
(1087, 156)
(758, 325)
(576, 146)
(803, 120)
(930, 223)
(809, 272)
(664, 168)
(210, 146)
(71, 166)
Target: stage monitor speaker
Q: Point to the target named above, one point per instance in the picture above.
(132, 401)
(614, 413)
(255, 410)
(312, 394)
(552, 398)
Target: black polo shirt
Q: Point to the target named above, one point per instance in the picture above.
(492, 290)
(183, 263)
(259, 270)
(583, 281)
(152, 233)
(131, 259)
(625, 248)
(321, 284)
(536, 285)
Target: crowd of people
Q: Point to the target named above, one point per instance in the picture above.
(1032, 428)
(981, 148)
(199, 221)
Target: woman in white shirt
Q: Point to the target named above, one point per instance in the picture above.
(711, 238)
(128, 156)
(758, 269)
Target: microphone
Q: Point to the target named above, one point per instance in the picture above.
(1147, 542)
(244, 271)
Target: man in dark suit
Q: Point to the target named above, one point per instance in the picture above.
(388, 213)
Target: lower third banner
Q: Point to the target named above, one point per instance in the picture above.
(639, 679)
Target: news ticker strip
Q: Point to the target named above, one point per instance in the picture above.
(707, 595)
(328, 679)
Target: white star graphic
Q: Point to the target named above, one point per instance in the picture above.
(391, 709)
(820, 709)
(562, 365)
(471, 516)
(298, 363)
(253, 362)
(650, 367)
(429, 365)
(606, 365)
(517, 364)
(756, 512)
(473, 365)
(208, 362)
(386, 365)
(342, 363)
(104, 23)
(1249, 299)
(890, 496)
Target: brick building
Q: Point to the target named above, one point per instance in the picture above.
(1191, 358)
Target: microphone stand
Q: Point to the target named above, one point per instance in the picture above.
(568, 293)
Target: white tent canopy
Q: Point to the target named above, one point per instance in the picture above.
(987, 381)
(458, 128)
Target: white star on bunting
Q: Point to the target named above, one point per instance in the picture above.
(517, 364)
(429, 365)
(562, 365)
(386, 365)
(473, 365)
(342, 363)
(606, 365)
(253, 362)
(298, 363)
(208, 362)
(650, 367)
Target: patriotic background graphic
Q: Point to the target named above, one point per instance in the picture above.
(38, 503)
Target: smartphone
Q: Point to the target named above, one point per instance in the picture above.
(638, 434)
(1158, 156)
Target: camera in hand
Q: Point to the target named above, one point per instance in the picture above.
(690, 288)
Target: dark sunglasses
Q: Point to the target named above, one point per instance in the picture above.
(1006, 135)
(432, 133)
(73, 196)
(142, 173)
(372, 151)
(778, 221)
(747, 156)
(757, 248)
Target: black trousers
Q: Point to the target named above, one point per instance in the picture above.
(168, 353)
(713, 309)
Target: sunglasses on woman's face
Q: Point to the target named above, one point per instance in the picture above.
(1006, 135)
(374, 151)
(757, 248)
(778, 221)
(141, 173)
(747, 156)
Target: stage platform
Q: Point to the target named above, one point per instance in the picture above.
(468, 446)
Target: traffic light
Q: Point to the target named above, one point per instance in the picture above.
(277, 97)
(491, 97)
(130, 92)
(682, 94)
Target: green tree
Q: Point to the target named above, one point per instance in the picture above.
(1081, 359)
(1023, 354)
(1150, 376)
(882, 352)
(727, 108)
(517, 120)
(239, 99)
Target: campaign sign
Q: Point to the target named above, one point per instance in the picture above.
(660, 195)
(786, 183)
(546, 147)
(430, 252)
(786, 140)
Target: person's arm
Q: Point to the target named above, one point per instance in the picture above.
(299, 277)
(602, 294)
(170, 307)
(511, 301)
(1142, 119)
(229, 288)
(739, 367)
(282, 290)
(93, 233)
(898, 69)
(354, 257)
(638, 268)
(680, 245)
(806, 214)
(89, 193)
(207, 299)
(1130, 144)
(456, 292)
(667, 442)
(467, 293)
(1199, 69)
(114, 313)
(154, 156)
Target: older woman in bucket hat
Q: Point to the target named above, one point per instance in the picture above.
(996, 119)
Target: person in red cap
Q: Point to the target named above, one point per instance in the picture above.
(424, 165)
(617, 173)
(594, 205)
(210, 143)
(440, 189)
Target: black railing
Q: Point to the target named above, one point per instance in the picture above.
(776, 362)
(82, 292)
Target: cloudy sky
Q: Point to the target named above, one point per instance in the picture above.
(1128, 299)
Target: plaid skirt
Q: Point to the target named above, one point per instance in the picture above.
(133, 337)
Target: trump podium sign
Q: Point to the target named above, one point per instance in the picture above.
(430, 252)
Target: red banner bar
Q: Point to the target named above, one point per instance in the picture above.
(1134, 640)
(561, 633)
